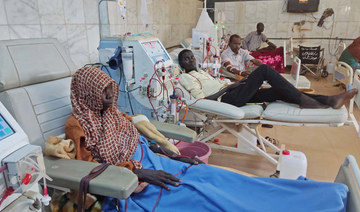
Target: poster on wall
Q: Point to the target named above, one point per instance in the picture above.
(309, 55)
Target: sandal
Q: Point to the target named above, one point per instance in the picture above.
(272, 140)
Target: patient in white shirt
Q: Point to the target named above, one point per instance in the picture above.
(201, 85)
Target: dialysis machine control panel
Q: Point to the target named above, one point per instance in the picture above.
(155, 51)
(145, 73)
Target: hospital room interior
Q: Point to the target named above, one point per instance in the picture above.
(177, 71)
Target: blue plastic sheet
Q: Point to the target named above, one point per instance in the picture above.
(207, 188)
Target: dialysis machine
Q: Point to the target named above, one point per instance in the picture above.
(144, 71)
(22, 166)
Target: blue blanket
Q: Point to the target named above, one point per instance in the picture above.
(207, 188)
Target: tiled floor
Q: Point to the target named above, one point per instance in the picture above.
(324, 147)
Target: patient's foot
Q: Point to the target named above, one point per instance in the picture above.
(307, 102)
(337, 101)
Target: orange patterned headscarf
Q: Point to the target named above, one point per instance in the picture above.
(109, 136)
(354, 49)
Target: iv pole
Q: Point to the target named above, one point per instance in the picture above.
(103, 19)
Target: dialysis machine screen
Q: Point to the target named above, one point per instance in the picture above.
(5, 128)
(155, 51)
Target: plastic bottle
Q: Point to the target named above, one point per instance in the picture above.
(330, 68)
(215, 67)
(173, 106)
(293, 164)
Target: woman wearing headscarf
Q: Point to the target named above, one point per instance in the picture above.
(108, 136)
(351, 55)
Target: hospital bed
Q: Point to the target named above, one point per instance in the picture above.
(218, 117)
(35, 77)
(344, 74)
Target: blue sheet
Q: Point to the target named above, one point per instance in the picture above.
(207, 188)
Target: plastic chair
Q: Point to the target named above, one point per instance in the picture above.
(35, 89)
(299, 81)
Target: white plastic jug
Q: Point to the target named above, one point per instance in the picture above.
(249, 136)
(293, 164)
(330, 67)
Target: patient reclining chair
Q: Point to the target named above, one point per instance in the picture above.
(217, 117)
(35, 77)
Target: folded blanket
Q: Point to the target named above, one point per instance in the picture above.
(61, 148)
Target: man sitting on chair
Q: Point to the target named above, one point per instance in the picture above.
(253, 40)
(234, 58)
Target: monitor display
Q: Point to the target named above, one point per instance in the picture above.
(302, 6)
(5, 128)
(155, 51)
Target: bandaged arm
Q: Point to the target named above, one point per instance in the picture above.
(230, 68)
(142, 123)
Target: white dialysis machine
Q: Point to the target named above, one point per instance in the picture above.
(22, 166)
(144, 71)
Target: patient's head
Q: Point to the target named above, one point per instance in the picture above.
(235, 43)
(260, 28)
(92, 89)
(187, 60)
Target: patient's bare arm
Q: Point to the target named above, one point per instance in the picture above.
(257, 62)
(271, 44)
(157, 177)
(230, 68)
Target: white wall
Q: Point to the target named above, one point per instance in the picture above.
(75, 22)
(242, 17)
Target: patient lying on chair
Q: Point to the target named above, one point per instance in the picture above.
(201, 85)
(109, 137)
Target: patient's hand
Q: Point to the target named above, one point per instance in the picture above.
(161, 150)
(157, 177)
(245, 73)
(192, 161)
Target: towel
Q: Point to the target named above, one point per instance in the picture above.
(61, 148)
